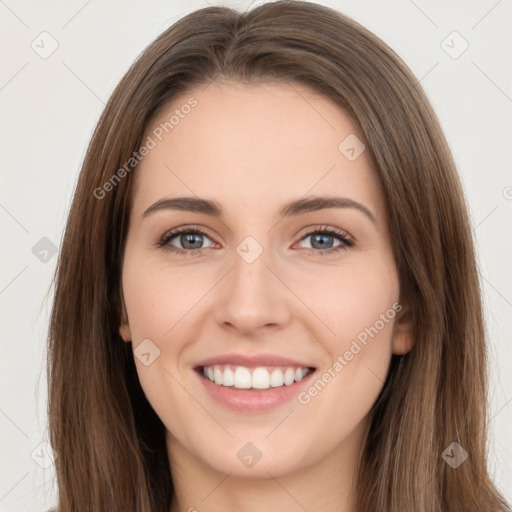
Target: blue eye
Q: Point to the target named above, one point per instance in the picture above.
(186, 236)
(191, 241)
(323, 237)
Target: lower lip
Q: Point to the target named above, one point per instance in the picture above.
(244, 400)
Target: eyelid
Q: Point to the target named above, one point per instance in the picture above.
(329, 229)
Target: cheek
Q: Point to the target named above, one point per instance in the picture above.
(158, 302)
(360, 307)
(158, 297)
(350, 299)
(160, 305)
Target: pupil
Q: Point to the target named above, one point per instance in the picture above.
(190, 238)
(320, 237)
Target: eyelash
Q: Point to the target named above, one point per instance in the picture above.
(346, 241)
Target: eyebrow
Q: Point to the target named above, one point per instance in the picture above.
(290, 209)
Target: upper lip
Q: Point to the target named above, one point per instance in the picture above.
(252, 361)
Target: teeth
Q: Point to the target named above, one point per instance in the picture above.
(259, 378)
(289, 376)
(228, 378)
(276, 378)
(242, 378)
(217, 374)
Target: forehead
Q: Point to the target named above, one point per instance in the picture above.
(261, 143)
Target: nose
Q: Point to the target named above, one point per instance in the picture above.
(254, 299)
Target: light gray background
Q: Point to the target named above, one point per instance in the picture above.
(49, 108)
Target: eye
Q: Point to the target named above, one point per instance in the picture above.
(189, 238)
(323, 238)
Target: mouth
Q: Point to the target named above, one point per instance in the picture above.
(260, 378)
(255, 385)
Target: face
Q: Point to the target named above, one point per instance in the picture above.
(290, 304)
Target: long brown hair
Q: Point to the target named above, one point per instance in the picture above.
(110, 443)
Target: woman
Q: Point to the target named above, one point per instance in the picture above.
(250, 371)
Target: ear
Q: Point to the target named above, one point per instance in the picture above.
(403, 336)
(124, 327)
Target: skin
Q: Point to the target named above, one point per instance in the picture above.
(252, 148)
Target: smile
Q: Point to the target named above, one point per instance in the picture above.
(253, 383)
(259, 378)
